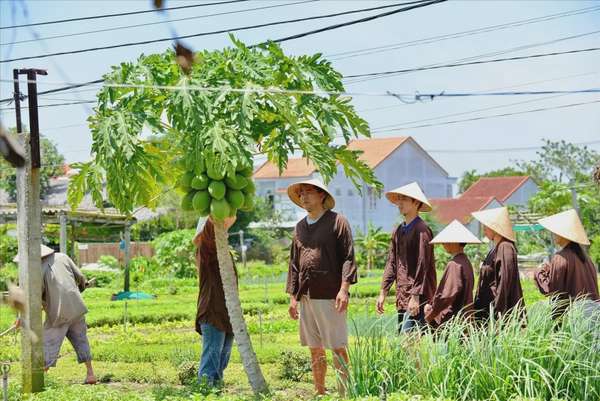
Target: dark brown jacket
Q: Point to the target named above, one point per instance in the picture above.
(411, 265)
(568, 277)
(499, 284)
(454, 294)
(321, 257)
(211, 298)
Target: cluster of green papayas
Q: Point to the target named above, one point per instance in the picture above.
(217, 191)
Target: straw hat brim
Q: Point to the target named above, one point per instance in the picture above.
(44, 251)
(292, 191)
(455, 233)
(498, 221)
(413, 191)
(567, 225)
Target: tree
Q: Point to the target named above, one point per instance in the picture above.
(561, 162)
(372, 246)
(52, 166)
(596, 175)
(216, 114)
(469, 177)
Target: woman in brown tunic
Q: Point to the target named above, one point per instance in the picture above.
(499, 287)
(454, 294)
(570, 274)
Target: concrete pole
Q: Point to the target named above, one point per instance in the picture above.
(30, 273)
(62, 220)
(127, 255)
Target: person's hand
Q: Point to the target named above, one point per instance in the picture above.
(293, 308)
(379, 306)
(90, 282)
(341, 300)
(413, 305)
(17, 323)
(428, 308)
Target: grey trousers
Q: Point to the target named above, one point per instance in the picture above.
(76, 332)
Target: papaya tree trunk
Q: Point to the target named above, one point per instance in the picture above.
(234, 307)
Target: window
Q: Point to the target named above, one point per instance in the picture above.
(350, 192)
(338, 192)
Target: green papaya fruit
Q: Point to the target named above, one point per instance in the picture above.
(248, 203)
(200, 182)
(213, 173)
(186, 181)
(238, 181)
(200, 167)
(186, 202)
(250, 188)
(235, 198)
(217, 189)
(219, 209)
(201, 201)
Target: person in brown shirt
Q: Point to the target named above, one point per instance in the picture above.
(321, 270)
(570, 274)
(410, 264)
(454, 294)
(212, 318)
(499, 287)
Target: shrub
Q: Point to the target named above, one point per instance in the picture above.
(8, 273)
(294, 366)
(109, 261)
(595, 250)
(8, 246)
(104, 279)
(176, 252)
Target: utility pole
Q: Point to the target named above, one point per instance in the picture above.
(29, 236)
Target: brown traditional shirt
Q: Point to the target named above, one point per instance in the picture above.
(62, 285)
(499, 284)
(454, 294)
(321, 257)
(568, 277)
(411, 264)
(211, 298)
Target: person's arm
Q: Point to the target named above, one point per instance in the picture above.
(550, 277)
(507, 258)
(425, 263)
(450, 286)
(293, 279)
(389, 275)
(77, 274)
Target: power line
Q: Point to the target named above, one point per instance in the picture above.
(491, 116)
(120, 14)
(531, 56)
(54, 104)
(502, 150)
(155, 23)
(420, 3)
(434, 39)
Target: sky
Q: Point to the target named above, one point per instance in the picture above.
(483, 144)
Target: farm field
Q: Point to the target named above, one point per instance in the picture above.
(152, 353)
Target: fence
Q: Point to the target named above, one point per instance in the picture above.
(90, 253)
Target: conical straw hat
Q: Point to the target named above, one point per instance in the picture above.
(295, 196)
(568, 225)
(44, 251)
(412, 190)
(498, 220)
(455, 232)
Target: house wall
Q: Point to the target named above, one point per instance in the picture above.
(522, 195)
(407, 164)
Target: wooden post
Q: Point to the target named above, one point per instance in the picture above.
(127, 239)
(62, 220)
(29, 230)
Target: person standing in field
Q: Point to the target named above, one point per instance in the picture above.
(499, 288)
(410, 264)
(570, 274)
(454, 294)
(321, 270)
(212, 318)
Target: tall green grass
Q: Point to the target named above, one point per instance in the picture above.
(506, 359)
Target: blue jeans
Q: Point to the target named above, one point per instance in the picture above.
(216, 350)
(407, 323)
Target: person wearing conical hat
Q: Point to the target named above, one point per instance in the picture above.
(499, 287)
(410, 263)
(321, 270)
(570, 274)
(454, 294)
(62, 285)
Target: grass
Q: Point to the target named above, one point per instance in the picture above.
(145, 360)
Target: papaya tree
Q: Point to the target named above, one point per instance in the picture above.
(160, 125)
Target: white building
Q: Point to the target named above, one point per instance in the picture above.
(396, 161)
